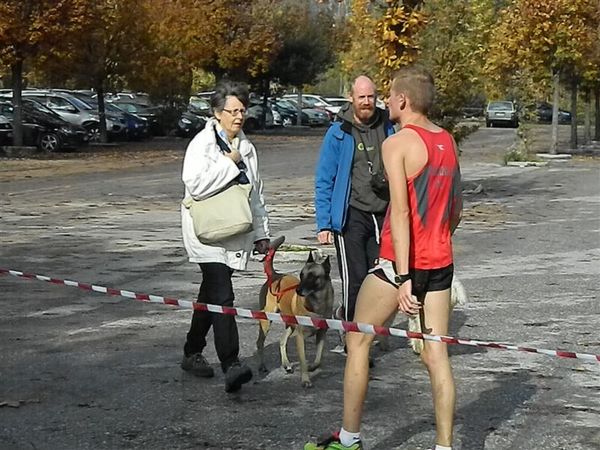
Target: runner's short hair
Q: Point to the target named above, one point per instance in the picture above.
(417, 84)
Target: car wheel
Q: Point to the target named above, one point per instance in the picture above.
(93, 130)
(49, 142)
(488, 123)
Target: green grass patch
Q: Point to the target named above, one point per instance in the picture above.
(295, 248)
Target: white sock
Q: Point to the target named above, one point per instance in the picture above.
(441, 447)
(347, 439)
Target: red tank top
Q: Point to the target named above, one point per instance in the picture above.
(431, 193)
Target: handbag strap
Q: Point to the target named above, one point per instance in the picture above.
(242, 178)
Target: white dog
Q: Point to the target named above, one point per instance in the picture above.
(458, 297)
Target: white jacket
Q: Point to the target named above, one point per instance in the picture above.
(205, 172)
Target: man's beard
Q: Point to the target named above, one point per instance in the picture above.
(365, 114)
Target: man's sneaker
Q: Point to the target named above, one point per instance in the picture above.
(197, 365)
(236, 375)
(339, 349)
(332, 443)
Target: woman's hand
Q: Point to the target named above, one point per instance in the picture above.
(262, 246)
(234, 155)
(407, 303)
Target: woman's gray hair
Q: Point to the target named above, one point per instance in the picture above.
(229, 88)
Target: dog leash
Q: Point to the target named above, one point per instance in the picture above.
(270, 281)
(280, 293)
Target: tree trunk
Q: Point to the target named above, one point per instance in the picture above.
(587, 122)
(556, 88)
(265, 102)
(299, 111)
(574, 88)
(597, 109)
(101, 112)
(17, 102)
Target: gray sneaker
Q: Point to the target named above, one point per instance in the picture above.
(197, 365)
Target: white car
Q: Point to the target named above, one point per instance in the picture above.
(337, 103)
(314, 101)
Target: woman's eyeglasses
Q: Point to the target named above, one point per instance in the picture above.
(235, 112)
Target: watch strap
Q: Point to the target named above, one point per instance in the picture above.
(400, 279)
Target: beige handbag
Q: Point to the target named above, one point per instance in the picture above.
(223, 215)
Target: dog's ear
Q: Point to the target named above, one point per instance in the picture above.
(326, 265)
(310, 257)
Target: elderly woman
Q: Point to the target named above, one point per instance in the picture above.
(219, 155)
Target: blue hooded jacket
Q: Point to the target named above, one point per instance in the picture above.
(333, 175)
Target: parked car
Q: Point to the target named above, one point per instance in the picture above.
(258, 116)
(543, 112)
(148, 112)
(288, 112)
(315, 102)
(336, 103)
(77, 112)
(501, 113)
(5, 131)
(194, 118)
(316, 117)
(45, 129)
(135, 127)
(190, 123)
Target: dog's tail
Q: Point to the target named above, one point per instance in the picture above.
(458, 292)
(268, 261)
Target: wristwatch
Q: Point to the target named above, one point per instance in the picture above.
(401, 279)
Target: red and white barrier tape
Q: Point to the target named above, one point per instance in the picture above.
(314, 322)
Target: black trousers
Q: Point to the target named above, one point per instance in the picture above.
(216, 288)
(357, 249)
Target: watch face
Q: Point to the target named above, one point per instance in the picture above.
(399, 279)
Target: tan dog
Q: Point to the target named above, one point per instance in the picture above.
(309, 295)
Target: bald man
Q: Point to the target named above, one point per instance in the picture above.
(349, 208)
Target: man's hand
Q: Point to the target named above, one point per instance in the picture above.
(407, 303)
(325, 237)
(262, 246)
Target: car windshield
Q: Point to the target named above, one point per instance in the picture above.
(199, 104)
(290, 103)
(129, 107)
(80, 103)
(112, 108)
(310, 101)
(40, 107)
(496, 106)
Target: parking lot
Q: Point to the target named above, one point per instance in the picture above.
(83, 370)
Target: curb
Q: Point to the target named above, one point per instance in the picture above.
(526, 164)
(554, 157)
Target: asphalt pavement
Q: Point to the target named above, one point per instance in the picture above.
(83, 370)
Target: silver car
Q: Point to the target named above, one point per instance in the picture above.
(501, 113)
(77, 112)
